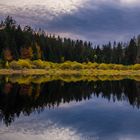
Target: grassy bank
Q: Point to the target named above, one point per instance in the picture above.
(39, 67)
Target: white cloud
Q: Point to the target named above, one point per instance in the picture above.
(130, 3)
(29, 132)
(58, 6)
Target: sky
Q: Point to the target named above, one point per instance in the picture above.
(94, 119)
(99, 21)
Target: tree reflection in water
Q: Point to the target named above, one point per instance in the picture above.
(24, 98)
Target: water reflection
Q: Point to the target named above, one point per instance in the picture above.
(26, 98)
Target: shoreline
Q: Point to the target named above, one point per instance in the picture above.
(38, 76)
(82, 72)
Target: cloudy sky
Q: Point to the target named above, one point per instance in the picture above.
(96, 119)
(98, 21)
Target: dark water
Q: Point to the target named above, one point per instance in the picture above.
(57, 110)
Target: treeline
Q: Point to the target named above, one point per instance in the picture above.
(26, 43)
(18, 42)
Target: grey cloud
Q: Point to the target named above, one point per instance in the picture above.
(97, 21)
(105, 20)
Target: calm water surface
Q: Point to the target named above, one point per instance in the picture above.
(57, 110)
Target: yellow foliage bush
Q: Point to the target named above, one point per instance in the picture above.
(24, 63)
(65, 65)
(68, 65)
(77, 66)
(90, 65)
(136, 67)
(103, 66)
(71, 65)
(39, 64)
(120, 67)
(110, 66)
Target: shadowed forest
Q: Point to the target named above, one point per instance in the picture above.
(18, 42)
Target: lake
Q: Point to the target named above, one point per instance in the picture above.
(69, 110)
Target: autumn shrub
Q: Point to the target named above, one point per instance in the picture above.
(52, 65)
(49, 65)
(39, 64)
(68, 65)
(24, 63)
(71, 65)
(136, 67)
(76, 66)
(90, 65)
(110, 66)
(7, 65)
(120, 67)
(65, 65)
(103, 66)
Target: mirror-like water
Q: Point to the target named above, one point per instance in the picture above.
(58, 110)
